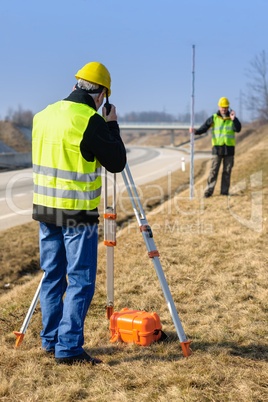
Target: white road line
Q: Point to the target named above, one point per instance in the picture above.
(24, 213)
(19, 195)
(16, 196)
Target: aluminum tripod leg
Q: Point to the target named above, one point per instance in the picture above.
(110, 241)
(153, 253)
(20, 335)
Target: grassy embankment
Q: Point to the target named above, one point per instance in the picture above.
(214, 254)
(13, 137)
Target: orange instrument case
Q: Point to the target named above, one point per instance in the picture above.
(133, 326)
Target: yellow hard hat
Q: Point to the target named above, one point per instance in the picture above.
(97, 73)
(223, 102)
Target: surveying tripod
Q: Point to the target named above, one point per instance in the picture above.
(110, 242)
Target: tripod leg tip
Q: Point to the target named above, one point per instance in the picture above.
(109, 310)
(20, 337)
(186, 348)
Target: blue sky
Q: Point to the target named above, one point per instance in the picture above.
(146, 45)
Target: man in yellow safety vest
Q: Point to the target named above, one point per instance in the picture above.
(224, 125)
(70, 144)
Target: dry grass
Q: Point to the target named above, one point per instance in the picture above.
(19, 257)
(13, 137)
(217, 270)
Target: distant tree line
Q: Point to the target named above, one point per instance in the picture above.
(144, 117)
(24, 118)
(20, 117)
(161, 117)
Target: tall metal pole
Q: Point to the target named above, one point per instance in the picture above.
(110, 241)
(192, 133)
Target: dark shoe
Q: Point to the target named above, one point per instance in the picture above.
(207, 195)
(83, 358)
(224, 193)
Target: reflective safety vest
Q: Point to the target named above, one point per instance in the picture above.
(63, 179)
(222, 131)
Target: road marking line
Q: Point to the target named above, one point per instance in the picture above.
(16, 195)
(24, 213)
(19, 195)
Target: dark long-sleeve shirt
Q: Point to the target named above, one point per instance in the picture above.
(224, 149)
(102, 140)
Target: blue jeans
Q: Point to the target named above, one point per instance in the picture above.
(70, 251)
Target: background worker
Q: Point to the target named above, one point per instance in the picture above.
(224, 124)
(71, 142)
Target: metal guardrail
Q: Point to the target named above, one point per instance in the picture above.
(18, 159)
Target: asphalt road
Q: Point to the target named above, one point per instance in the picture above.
(146, 165)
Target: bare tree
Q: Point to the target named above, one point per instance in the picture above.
(20, 117)
(258, 86)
